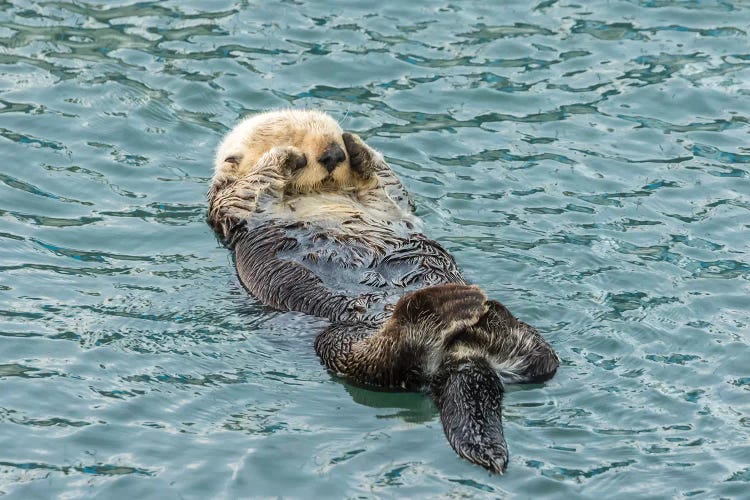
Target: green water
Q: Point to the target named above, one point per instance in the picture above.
(586, 163)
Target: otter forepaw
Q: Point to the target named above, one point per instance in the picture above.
(288, 159)
(361, 157)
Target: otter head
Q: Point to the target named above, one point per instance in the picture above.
(319, 160)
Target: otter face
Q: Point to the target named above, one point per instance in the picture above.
(321, 163)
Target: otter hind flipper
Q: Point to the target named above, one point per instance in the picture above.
(469, 395)
(516, 349)
(439, 312)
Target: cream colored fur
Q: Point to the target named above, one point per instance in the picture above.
(252, 157)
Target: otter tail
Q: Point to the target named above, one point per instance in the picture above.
(469, 395)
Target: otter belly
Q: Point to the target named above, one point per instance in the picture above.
(381, 262)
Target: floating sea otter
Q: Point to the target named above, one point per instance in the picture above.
(320, 224)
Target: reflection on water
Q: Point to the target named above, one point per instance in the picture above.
(587, 164)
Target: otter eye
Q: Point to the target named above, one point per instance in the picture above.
(300, 163)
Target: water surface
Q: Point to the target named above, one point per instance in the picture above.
(586, 163)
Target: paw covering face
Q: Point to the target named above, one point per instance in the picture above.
(323, 152)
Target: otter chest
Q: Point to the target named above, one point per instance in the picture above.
(361, 247)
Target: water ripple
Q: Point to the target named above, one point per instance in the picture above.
(585, 163)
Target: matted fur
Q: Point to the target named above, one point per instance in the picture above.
(320, 224)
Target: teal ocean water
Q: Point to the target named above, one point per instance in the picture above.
(586, 163)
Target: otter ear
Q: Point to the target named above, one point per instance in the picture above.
(361, 157)
(233, 161)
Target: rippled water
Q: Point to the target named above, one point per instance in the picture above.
(586, 163)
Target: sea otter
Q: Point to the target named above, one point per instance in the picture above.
(320, 224)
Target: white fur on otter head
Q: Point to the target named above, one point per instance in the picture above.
(314, 135)
(286, 155)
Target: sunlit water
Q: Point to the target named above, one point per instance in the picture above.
(586, 163)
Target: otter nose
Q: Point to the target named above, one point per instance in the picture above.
(332, 156)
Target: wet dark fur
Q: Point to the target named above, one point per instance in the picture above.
(401, 315)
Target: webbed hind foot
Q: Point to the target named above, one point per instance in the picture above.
(438, 313)
(517, 350)
(469, 395)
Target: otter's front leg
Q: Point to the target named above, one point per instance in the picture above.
(364, 160)
(234, 196)
(408, 348)
(367, 162)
